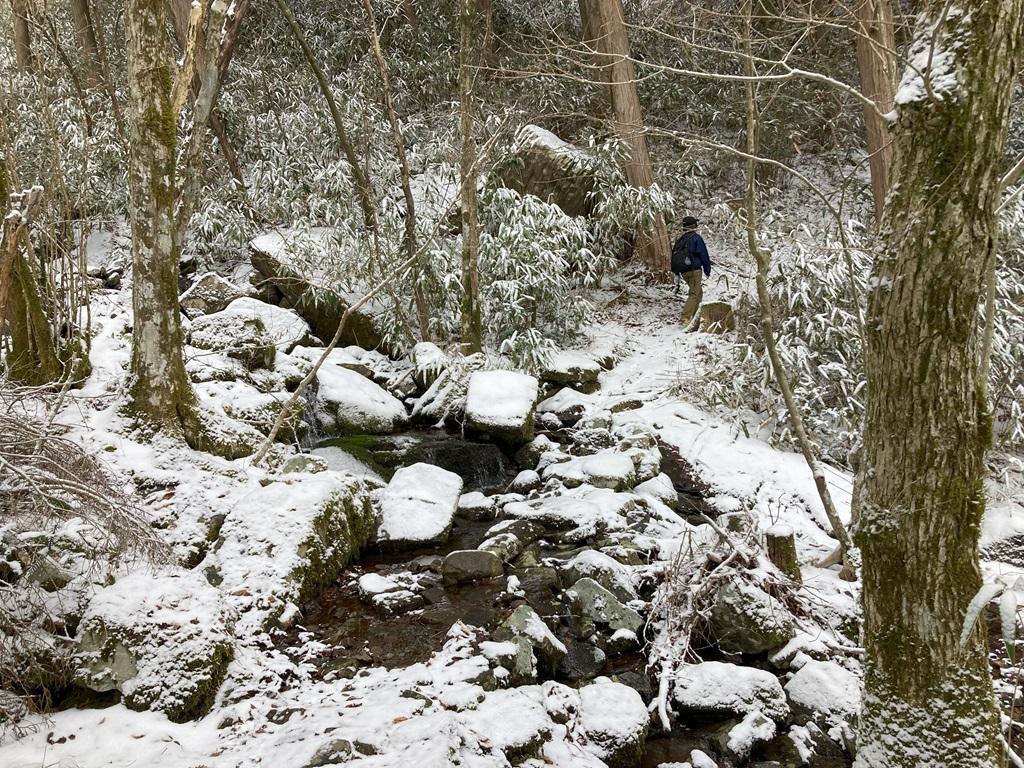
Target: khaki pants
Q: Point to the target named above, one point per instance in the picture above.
(695, 294)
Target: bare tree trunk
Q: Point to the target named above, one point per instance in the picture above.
(928, 699)
(471, 326)
(108, 80)
(16, 221)
(160, 392)
(604, 25)
(763, 261)
(876, 60)
(86, 36)
(347, 147)
(22, 35)
(422, 310)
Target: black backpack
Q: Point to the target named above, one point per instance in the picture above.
(683, 259)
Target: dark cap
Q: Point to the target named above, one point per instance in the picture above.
(690, 223)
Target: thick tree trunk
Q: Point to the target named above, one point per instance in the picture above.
(604, 27)
(876, 60)
(33, 359)
(86, 36)
(22, 35)
(471, 330)
(928, 701)
(160, 392)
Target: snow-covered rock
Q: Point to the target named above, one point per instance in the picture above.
(604, 469)
(348, 402)
(513, 721)
(823, 689)
(282, 542)
(720, 689)
(286, 328)
(210, 293)
(606, 571)
(615, 720)
(659, 487)
(430, 361)
(594, 606)
(525, 622)
(163, 640)
(418, 506)
(746, 619)
(567, 404)
(572, 369)
(247, 404)
(591, 510)
(501, 404)
(236, 335)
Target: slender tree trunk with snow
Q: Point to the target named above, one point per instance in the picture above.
(160, 392)
(604, 27)
(929, 701)
(876, 61)
(471, 329)
(22, 35)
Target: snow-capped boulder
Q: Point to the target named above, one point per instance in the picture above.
(720, 689)
(210, 293)
(572, 369)
(284, 326)
(547, 167)
(746, 619)
(606, 571)
(430, 361)
(245, 403)
(510, 537)
(274, 257)
(349, 403)
(825, 691)
(163, 640)
(660, 488)
(281, 543)
(737, 740)
(589, 510)
(604, 469)
(238, 336)
(615, 720)
(418, 506)
(501, 404)
(513, 721)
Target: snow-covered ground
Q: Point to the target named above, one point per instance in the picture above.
(263, 535)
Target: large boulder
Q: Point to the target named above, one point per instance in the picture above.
(526, 622)
(464, 565)
(163, 640)
(281, 260)
(236, 335)
(545, 166)
(347, 402)
(594, 606)
(746, 619)
(418, 506)
(605, 469)
(719, 690)
(606, 571)
(501, 404)
(285, 328)
(281, 543)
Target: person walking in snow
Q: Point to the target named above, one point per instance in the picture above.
(689, 259)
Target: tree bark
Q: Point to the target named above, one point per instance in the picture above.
(22, 35)
(876, 60)
(604, 25)
(928, 700)
(471, 328)
(86, 36)
(160, 392)
(780, 544)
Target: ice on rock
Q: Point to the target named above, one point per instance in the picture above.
(418, 506)
(717, 688)
(501, 404)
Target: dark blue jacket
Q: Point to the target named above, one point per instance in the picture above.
(690, 253)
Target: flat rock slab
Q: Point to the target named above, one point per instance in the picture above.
(501, 404)
(418, 506)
